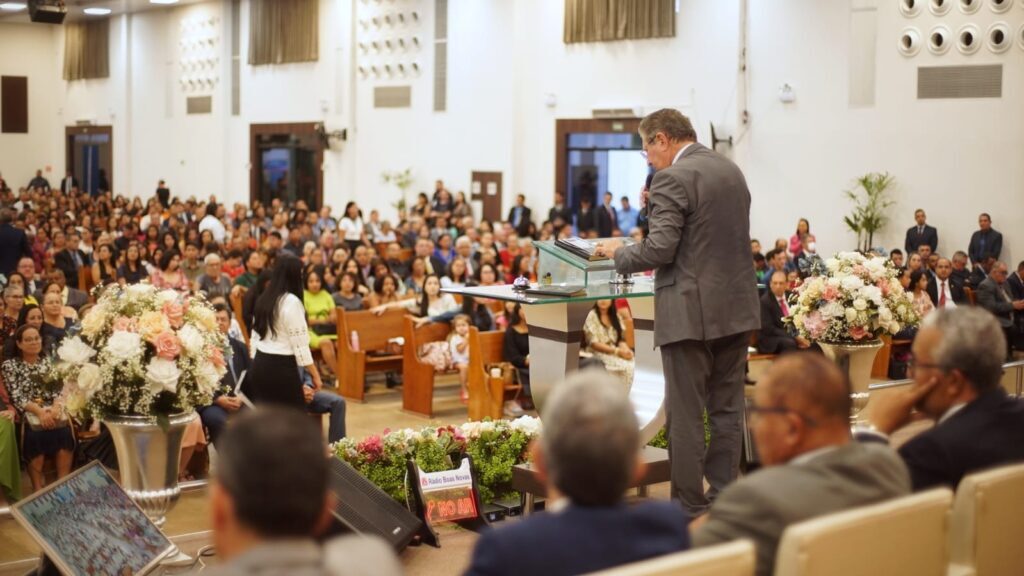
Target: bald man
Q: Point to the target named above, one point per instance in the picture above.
(801, 427)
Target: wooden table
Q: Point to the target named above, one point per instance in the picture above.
(526, 481)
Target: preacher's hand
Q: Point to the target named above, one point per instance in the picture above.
(608, 247)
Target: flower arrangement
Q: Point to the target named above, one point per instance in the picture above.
(142, 352)
(495, 447)
(856, 299)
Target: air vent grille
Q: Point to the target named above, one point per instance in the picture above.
(960, 82)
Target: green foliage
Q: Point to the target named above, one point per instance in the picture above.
(870, 202)
(660, 439)
(494, 454)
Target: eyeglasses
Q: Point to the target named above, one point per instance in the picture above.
(913, 364)
(756, 410)
(649, 142)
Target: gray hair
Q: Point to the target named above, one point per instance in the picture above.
(212, 258)
(671, 123)
(972, 342)
(591, 438)
(13, 290)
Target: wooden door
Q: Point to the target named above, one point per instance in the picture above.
(486, 188)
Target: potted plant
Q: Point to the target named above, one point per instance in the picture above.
(846, 307)
(402, 180)
(870, 202)
(145, 359)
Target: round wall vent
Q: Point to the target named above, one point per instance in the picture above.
(1000, 6)
(968, 39)
(970, 6)
(911, 8)
(940, 7)
(910, 42)
(939, 40)
(999, 38)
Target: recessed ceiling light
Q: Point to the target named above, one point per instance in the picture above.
(12, 6)
(163, 1)
(97, 11)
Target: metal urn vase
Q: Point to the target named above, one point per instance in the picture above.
(855, 360)
(148, 457)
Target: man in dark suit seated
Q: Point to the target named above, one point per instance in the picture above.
(587, 454)
(994, 295)
(958, 356)
(944, 289)
(801, 426)
(269, 499)
(225, 403)
(981, 271)
(921, 234)
(1016, 282)
(71, 297)
(775, 336)
(70, 259)
(960, 272)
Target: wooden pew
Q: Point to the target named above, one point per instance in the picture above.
(417, 376)
(486, 393)
(971, 297)
(85, 283)
(236, 309)
(374, 332)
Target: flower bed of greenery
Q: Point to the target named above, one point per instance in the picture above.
(495, 447)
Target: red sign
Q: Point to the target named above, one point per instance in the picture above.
(450, 505)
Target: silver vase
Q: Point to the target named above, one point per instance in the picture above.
(856, 361)
(148, 458)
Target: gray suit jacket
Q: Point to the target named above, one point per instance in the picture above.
(988, 296)
(699, 242)
(350, 555)
(762, 505)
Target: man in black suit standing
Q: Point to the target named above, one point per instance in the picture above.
(607, 219)
(560, 211)
(958, 363)
(588, 455)
(519, 216)
(985, 241)
(13, 243)
(920, 234)
(774, 337)
(163, 193)
(68, 183)
(945, 290)
(586, 219)
(39, 182)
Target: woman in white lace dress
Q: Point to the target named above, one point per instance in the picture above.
(606, 340)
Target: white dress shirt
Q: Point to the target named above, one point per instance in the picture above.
(943, 288)
(290, 336)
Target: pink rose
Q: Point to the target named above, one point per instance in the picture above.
(217, 357)
(859, 270)
(884, 287)
(175, 313)
(167, 345)
(858, 332)
(830, 293)
(815, 324)
(124, 324)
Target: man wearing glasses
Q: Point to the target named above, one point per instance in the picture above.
(801, 427)
(705, 299)
(957, 367)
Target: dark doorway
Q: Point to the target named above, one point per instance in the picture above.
(595, 156)
(486, 188)
(89, 156)
(286, 161)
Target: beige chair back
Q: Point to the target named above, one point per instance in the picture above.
(988, 520)
(730, 559)
(906, 536)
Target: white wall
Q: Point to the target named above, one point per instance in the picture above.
(28, 50)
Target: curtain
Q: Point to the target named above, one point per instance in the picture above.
(282, 31)
(86, 50)
(607, 20)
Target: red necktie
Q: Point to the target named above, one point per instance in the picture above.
(785, 309)
(942, 295)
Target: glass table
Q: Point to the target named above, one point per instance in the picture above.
(556, 335)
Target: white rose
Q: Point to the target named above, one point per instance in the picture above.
(851, 283)
(124, 345)
(165, 296)
(89, 380)
(872, 293)
(191, 340)
(860, 304)
(74, 351)
(894, 327)
(140, 290)
(834, 282)
(163, 375)
(884, 314)
(851, 314)
(208, 377)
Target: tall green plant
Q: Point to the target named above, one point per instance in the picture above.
(870, 202)
(402, 180)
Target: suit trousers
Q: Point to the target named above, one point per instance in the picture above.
(699, 375)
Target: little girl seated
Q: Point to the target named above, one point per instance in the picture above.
(458, 343)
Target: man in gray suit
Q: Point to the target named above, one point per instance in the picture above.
(801, 427)
(269, 499)
(993, 294)
(705, 299)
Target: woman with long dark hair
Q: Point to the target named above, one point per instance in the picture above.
(280, 338)
(606, 340)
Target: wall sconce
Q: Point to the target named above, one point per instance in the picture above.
(786, 94)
